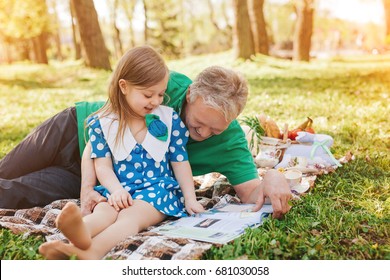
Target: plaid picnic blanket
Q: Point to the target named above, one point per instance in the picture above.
(211, 190)
(145, 245)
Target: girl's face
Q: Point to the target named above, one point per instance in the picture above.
(144, 100)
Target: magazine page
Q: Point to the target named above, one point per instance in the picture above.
(218, 225)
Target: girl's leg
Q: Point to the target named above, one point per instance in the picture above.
(130, 221)
(80, 230)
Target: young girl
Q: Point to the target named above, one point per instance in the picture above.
(137, 145)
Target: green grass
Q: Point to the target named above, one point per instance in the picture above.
(18, 247)
(345, 216)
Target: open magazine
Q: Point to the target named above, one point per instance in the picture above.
(220, 224)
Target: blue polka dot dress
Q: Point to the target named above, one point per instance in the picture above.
(143, 169)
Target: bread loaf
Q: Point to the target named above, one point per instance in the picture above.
(272, 129)
(262, 120)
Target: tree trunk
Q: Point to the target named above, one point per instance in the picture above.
(229, 27)
(76, 41)
(25, 49)
(145, 22)
(40, 47)
(212, 15)
(386, 4)
(117, 35)
(6, 51)
(258, 25)
(243, 38)
(303, 30)
(226, 32)
(97, 55)
(128, 7)
(56, 35)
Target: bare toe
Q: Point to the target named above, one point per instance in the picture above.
(51, 252)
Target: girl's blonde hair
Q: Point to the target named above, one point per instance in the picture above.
(141, 67)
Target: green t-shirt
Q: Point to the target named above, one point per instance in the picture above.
(226, 153)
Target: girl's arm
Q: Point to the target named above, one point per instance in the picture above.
(184, 177)
(119, 197)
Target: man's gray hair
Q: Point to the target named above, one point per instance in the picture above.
(222, 89)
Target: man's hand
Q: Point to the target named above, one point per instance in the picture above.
(89, 200)
(275, 187)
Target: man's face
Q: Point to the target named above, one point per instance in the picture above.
(203, 121)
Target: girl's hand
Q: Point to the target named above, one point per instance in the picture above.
(120, 199)
(193, 206)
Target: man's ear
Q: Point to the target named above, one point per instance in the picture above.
(122, 85)
(188, 95)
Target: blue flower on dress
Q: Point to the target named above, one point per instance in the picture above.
(156, 127)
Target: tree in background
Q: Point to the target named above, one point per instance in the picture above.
(183, 28)
(258, 26)
(386, 5)
(222, 37)
(128, 7)
(75, 32)
(146, 35)
(97, 55)
(303, 30)
(56, 29)
(164, 26)
(25, 25)
(243, 37)
(280, 20)
(116, 36)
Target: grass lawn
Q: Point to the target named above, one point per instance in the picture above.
(345, 216)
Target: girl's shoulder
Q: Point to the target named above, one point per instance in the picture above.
(96, 120)
(93, 121)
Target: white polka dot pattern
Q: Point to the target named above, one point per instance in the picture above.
(141, 175)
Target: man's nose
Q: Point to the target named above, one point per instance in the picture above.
(205, 132)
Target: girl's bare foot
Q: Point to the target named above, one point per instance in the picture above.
(70, 222)
(50, 252)
(58, 250)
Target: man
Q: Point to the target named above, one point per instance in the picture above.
(208, 106)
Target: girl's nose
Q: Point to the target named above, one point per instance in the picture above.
(155, 101)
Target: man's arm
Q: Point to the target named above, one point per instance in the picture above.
(88, 196)
(273, 186)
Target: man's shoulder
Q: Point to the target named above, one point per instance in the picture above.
(179, 79)
(89, 105)
(85, 108)
(235, 128)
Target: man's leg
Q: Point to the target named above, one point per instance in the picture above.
(39, 188)
(53, 143)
